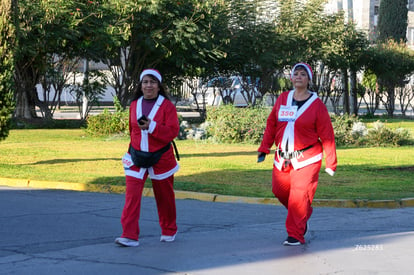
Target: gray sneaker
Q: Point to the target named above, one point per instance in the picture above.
(126, 242)
(165, 238)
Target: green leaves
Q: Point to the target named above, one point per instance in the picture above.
(390, 61)
(229, 124)
(7, 44)
(392, 21)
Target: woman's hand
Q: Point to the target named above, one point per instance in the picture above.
(144, 125)
(261, 156)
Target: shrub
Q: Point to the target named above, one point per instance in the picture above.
(350, 131)
(108, 123)
(345, 133)
(195, 132)
(379, 135)
(229, 124)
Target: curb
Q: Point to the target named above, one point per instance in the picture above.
(106, 188)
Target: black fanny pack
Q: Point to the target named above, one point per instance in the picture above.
(146, 159)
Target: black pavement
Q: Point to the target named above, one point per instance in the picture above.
(69, 232)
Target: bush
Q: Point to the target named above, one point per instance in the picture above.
(108, 123)
(345, 133)
(349, 130)
(229, 124)
(379, 135)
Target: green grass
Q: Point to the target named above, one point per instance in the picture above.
(231, 169)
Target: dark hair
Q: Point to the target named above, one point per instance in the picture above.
(138, 92)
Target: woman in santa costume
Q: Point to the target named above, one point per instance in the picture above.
(153, 125)
(301, 129)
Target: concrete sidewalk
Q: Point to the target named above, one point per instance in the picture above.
(70, 232)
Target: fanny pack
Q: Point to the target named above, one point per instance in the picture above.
(146, 159)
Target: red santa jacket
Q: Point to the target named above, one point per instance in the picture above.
(163, 128)
(308, 127)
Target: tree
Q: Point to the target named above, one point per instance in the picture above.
(175, 37)
(7, 44)
(265, 44)
(391, 62)
(392, 26)
(69, 28)
(345, 54)
(39, 29)
(248, 48)
(392, 20)
(370, 85)
(30, 51)
(90, 41)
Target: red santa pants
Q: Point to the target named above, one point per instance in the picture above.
(164, 197)
(295, 189)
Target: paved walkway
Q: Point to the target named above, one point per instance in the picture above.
(44, 231)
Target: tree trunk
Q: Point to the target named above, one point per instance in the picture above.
(26, 78)
(354, 93)
(345, 88)
(25, 107)
(391, 101)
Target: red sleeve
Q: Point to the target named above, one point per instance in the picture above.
(327, 137)
(269, 133)
(167, 127)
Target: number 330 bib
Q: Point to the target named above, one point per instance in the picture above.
(287, 113)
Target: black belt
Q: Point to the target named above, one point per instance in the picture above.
(293, 154)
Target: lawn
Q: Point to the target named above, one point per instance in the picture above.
(231, 169)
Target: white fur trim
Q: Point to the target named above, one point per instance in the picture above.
(330, 171)
(152, 72)
(135, 174)
(165, 175)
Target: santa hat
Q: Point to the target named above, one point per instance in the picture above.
(305, 66)
(152, 72)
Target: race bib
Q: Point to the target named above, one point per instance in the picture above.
(127, 160)
(287, 113)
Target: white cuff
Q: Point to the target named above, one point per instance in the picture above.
(330, 171)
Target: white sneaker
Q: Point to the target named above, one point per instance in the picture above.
(290, 241)
(165, 238)
(126, 242)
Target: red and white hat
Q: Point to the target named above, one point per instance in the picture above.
(152, 72)
(307, 67)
